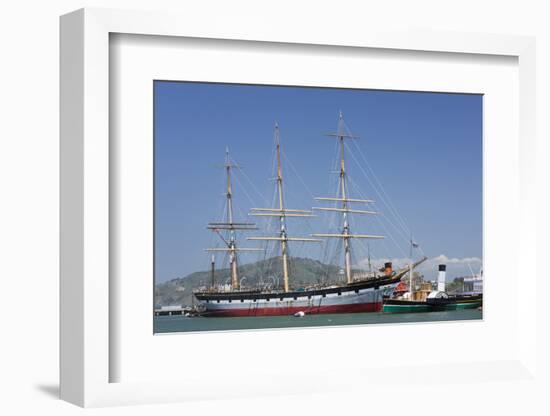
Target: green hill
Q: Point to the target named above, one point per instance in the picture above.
(303, 272)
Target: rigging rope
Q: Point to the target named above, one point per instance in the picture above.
(387, 199)
(379, 219)
(405, 232)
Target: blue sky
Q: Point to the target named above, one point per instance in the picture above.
(425, 150)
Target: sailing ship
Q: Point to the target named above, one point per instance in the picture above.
(355, 294)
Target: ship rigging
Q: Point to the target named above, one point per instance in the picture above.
(353, 295)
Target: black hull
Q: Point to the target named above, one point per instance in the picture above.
(433, 305)
(293, 295)
(404, 302)
(455, 302)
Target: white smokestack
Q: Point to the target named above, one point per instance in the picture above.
(441, 278)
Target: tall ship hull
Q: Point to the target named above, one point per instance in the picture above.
(366, 296)
(367, 300)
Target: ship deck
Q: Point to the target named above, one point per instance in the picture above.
(295, 294)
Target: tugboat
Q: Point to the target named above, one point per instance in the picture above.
(440, 301)
(436, 300)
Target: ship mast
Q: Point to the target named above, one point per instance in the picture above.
(368, 255)
(232, 227)
(343, 198)
(411, 287)
(282, 213)
(213, 271)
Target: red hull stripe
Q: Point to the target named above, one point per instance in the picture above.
(357, 307)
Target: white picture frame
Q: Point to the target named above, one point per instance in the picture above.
(87, 356)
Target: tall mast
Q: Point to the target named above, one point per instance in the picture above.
(232, 227)
(282, 213)
(235, 284)
(281, 208)
(345, 201)
(368, 254)
(411, 266)
(411, 287)
(347, 254)
(212, 271)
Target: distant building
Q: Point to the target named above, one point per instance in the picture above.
(473, 284)
(170, 308)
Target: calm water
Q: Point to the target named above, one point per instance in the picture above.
(164, 324)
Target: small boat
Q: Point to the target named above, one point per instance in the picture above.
(436, 300)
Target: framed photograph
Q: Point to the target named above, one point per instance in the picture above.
(261, 252)
(241, 206)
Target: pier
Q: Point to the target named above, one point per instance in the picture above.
(175, 310)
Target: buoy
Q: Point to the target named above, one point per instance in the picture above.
(299, 314)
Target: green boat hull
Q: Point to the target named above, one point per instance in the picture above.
(405, 308)
(457, 306)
